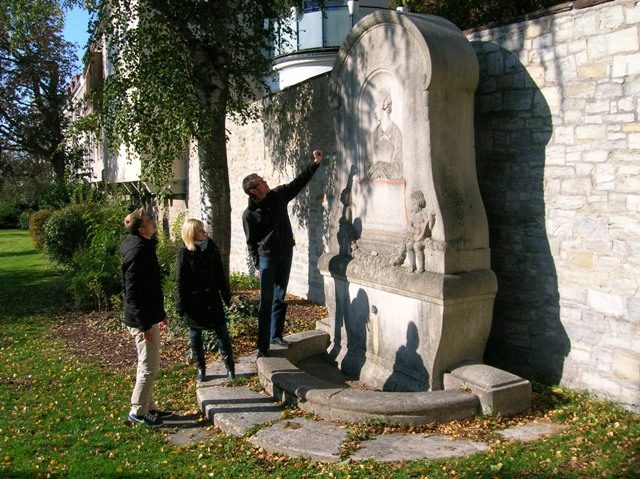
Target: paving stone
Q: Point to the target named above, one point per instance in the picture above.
(319, 440)
(531, 432)
(409, 447)
(217, 372)
(193, 435)
(236, 409)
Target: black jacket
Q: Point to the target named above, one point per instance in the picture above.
(141, 282)
(266, 223)
(201, 286)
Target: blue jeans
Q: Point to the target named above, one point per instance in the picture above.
(274, 278)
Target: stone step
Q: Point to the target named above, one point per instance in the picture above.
(285, 381)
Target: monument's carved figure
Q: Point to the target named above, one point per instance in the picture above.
(385, 144)
(406, 200)
(421, 224)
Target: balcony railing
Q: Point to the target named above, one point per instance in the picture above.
(316, 29)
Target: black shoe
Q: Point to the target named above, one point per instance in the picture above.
(231, 375)
(202, 374)
(280, 342)
(263, 354)
(162, 414)
(149, 419)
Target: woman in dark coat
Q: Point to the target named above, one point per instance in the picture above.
(202, 286)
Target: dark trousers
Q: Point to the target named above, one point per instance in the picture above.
(224, 345)
(274, 279)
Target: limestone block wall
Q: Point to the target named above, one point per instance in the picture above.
(297, 121)
(557, 135)
(558, 152)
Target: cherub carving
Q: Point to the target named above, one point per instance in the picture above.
(420, 228)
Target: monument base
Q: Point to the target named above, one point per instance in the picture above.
(401, 331)
(499, 392)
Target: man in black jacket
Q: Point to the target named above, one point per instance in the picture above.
(270, 243)
(144, 314)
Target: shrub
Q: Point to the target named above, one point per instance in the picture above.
(9, 212)
(23, 219)
(66, 232)
(242, 316)
(243, 281)
(95, 269)
(37, 222)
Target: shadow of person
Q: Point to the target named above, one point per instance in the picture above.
(409, 372)
(356, 331)
(527, 335)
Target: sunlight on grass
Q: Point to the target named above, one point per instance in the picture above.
(62, 416)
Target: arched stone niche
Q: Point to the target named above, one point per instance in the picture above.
(408, 267)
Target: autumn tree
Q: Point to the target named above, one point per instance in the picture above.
(35, 65)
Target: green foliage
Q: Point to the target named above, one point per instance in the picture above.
(475, 13)
(36, 63)
(9, 213)
(95, 269)
(69, 191)
(23, 219)
(66, 232)
(241, 315)
(37, 222)
(242, 281)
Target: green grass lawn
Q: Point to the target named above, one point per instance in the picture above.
(61, 416)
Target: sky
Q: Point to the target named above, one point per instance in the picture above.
(75, 30)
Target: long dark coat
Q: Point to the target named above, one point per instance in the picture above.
(141, 282)
(201, 286)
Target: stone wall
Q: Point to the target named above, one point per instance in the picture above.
(558, 154)
(298, 120)
(557, 145)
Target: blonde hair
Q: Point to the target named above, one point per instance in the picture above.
(189, 230)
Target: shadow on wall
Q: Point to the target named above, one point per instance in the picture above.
(409, 373)
(513, 125)
(292, 131)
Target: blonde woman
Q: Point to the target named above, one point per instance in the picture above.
(201, 287)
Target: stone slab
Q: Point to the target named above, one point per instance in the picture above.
(531, 432)
(352, 405)
(323, 367)
(406, 447)
(217, 372)
(185, 437)
(498, 391)
(307, 344)
(236, 409)
(301, 437)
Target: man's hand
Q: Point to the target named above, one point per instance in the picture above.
(164, 325)
(317, 156)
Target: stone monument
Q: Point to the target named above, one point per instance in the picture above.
(407, 275)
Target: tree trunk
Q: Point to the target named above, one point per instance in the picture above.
(214, 175)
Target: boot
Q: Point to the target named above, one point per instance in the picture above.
(230, 365)
(202, 372)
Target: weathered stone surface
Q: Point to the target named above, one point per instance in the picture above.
(192, 435)
(531, 432)
(404, 447)
(499, 392)
(527, 279)
(236, 409)
(302, 437)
